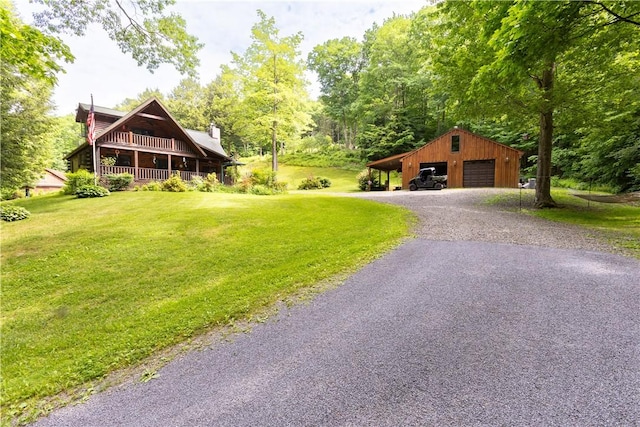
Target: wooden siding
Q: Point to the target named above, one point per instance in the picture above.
(472, 147)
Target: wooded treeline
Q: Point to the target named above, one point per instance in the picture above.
(558, 80)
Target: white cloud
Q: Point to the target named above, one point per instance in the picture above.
(223, 26)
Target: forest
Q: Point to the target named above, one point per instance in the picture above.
(558, 80)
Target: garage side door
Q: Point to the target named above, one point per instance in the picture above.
(479, 173)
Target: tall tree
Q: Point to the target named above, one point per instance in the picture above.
(187, 103)
(338, 63)
(394, 103)
(27, 70)
(273, 87)
(223, 108)
(513, 56)
(65, 136)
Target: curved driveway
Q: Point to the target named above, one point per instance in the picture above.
(438, 332)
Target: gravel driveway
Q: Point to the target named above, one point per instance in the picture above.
(455, 327)
(459, 214)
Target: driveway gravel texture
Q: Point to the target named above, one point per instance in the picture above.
(486, 317)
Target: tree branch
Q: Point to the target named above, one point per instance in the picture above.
(618, 17)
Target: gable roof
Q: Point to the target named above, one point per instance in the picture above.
(200, 141)
(457, 130)
(395, 162)
(139, 109)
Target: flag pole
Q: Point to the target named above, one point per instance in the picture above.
(91, 125)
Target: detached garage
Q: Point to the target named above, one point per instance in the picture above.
(468, 160)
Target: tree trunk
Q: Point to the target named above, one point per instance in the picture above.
(274, 147)
(543, 176)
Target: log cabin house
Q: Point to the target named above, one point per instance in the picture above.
(149, 144)
(468, 160)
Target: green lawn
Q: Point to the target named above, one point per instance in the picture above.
(93, 285)
(618, 222)
(342, 180)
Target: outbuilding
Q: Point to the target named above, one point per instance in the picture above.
(468, 160)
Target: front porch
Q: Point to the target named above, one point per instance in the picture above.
(149, 174)
(151, 165)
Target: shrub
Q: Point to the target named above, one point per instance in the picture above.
(363, 180)
(119, 182)
(11, 213)
(152, 186)
(312, 183)
(209, 184)
(265, 180)
(174, 184)
(325, 182)
(9, 194)
(76, 180)
(89, 191)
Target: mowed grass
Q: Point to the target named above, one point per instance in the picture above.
(93, 285)
(620, 222)
(342, 180)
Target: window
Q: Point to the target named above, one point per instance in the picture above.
(455, 143)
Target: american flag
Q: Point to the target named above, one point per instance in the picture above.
(91, 125)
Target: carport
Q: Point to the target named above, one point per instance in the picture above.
(388, 164)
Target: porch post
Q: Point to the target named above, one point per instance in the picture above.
(169, 163)
(135, 165)
(197, 166)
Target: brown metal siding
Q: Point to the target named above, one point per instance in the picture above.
(472, 147)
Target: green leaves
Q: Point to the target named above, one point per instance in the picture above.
(143, 29)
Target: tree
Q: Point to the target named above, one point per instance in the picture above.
(130, 103)
(27, 70)
(395, 101)
(27, 50)
(65, 136)
(273, 93)
(187, 103)
(223, 108)
(338, 64)
(513, 57)
(26, 148)
(141, 28)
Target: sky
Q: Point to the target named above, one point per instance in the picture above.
(224, 27)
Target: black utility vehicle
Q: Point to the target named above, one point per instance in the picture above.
(428, 180)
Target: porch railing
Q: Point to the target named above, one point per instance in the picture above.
(148, 174)
(146, 141)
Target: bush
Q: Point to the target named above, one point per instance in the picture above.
(265, 180)
(325, 182)
(208, 185)
(76, 180)
(11, 213)
(9, 194)
(89, 191)
(174, 184)
(119, 182)
(312, 183)
(363, 180)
